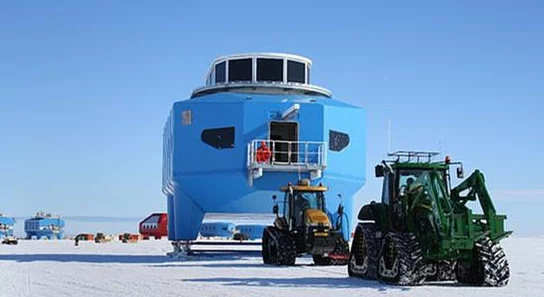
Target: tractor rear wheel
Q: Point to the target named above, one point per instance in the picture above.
(490, 267)
(400, 260)
(363, 258)
(268, 248)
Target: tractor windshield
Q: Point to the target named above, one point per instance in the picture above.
(302, 202)
(407, 177)
(307, 200)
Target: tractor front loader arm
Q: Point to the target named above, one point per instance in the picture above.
(475, 185)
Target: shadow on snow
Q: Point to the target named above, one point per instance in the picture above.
(313, 282)
(130, 259)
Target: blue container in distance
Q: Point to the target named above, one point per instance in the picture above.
(6, 226)
(212, 161)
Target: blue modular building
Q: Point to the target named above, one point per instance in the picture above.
(44, 226)
(217, 229)
(252, 231)
(6, 226)
(211, 158)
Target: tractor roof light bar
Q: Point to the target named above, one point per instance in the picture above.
(410, 155)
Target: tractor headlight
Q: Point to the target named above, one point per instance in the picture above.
(314, 224)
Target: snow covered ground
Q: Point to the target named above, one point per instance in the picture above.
(58, 268)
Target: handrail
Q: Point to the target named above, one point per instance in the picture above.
(309, 154)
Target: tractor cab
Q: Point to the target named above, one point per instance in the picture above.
(412, 175)
(303, 205)
(409, 171)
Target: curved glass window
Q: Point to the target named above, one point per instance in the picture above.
(269, 69)
(338, 140)
(240, 70)
(219, 138)
(220, 72)
(295, 72)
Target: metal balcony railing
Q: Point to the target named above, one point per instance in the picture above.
(286, 156)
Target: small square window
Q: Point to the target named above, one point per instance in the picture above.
(187, 117)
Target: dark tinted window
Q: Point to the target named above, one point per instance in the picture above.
(337, 140)
(240, 70)
(219, 138)
(295, 71)
(220, 72)
(269, 70)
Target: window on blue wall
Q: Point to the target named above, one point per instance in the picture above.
(219, 138)
(220, 70)
(240, 70)
(338, 140)
(295, 72)
(269, 69)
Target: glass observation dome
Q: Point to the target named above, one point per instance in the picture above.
(268, 73)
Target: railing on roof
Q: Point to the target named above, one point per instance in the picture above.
(286, 156)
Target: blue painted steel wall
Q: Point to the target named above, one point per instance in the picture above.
(6, 222)
(198, 178)
(33, 228)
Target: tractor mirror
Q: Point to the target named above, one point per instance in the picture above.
(275, 209)
(378, 170)
(460, 173)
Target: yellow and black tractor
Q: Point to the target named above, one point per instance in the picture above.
(303, 227)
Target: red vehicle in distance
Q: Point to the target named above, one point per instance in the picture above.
(155, 225)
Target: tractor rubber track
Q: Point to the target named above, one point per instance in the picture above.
(410, 267)
(440, 270)
(286, 250)
(364, 246)
(490, 269)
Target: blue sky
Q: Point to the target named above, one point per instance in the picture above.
(85, 88)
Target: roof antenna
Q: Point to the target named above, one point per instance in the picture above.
(389, 138)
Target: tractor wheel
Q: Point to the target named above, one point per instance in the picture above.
(490, 267)
(286, 250)
(400, 260)
(363, 258)
(268, 248)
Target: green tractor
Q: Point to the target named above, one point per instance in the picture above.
(304, 228)
(423, 229)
